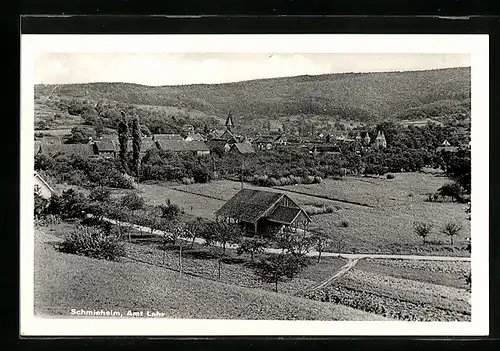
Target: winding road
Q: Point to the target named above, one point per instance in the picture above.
(349, 256)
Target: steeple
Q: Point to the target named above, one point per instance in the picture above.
(229, 121)
(380, 141)
(367, 138)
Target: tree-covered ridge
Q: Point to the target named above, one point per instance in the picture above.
(367, 97)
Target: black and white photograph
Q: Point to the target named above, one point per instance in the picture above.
(253, 184)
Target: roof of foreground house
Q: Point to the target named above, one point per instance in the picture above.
(248, 205)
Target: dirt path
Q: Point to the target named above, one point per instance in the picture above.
(343, 270)
(316, 253)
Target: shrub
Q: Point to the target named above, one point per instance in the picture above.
(390, 176)
(126, 182)
(201, 175)
(308, 180)
(170, 211)
(132, 201)
(71, 204)
(187, 180)
(452, 190)
(100, 194)
(92, 242)
(98, 223)
(344, 224)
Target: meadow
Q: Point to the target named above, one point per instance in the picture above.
(384, 225)
(372, 289)
(65, 281)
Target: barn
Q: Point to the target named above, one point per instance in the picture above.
(264, 213)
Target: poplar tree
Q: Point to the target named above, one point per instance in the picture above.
(123, 140)
(136, 146)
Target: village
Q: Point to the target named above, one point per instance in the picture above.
(236, 214)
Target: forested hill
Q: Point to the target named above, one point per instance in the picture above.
(367, 97)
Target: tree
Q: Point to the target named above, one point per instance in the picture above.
(296, 243)
(225, 233)
(123, 140)
(136, 147)
(451, 230)
(251, 246)
(422, 229)
(459, 169)
(40, 203)
(80, 135)
(194, 229)
(320, 239)
(280, 267)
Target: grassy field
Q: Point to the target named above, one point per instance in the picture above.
(404, 189)
(400, 298)
(405, 290)
(384, 227)
(450, 274)
(64, 281)
(388, 224)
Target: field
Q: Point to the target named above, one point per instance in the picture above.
(394, 289)
(385, 225)
(64, 281)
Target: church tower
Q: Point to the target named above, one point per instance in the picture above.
(380, 141)
(367, 139)
(229, 121)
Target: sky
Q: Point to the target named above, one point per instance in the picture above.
(197, 68)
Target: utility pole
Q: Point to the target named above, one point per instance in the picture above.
(180, 260)
(242, 166)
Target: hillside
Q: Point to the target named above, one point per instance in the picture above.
(64, 281)
(367, 97)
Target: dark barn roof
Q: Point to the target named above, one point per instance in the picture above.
(284, 215)
(249, 205)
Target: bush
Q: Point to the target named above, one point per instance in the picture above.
(98, 223)
(187, 181)
(344, 224)
(132, 201)
(100, 194)
(92, 242)
(390, 176)
(201, 175)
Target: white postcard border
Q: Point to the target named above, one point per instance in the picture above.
(474, 44)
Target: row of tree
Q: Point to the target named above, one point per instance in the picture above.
(131, 209)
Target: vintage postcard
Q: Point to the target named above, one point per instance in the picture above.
(254, 185)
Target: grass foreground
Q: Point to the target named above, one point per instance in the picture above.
(64, 282)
